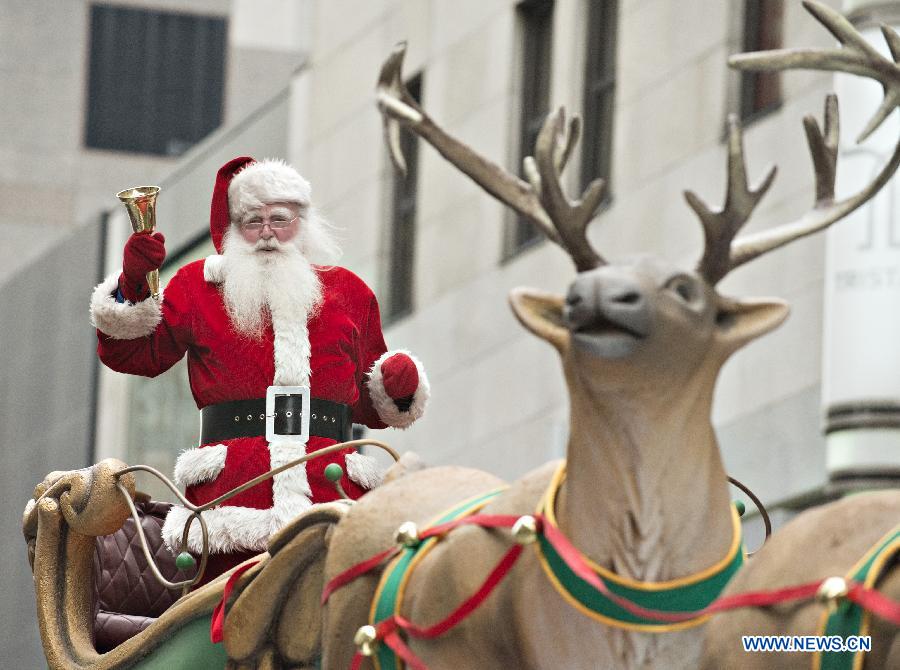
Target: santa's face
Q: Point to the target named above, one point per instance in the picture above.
(277, 221)
(267, 276)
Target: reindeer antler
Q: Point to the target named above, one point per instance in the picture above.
(398, 106)
(395, 101)
(856, 56)
(720, 227)
(570, 217)
(541, 201)
(722, 252)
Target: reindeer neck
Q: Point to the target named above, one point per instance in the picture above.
(645, 493)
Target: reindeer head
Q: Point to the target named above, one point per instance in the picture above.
(646, 317)
(644, 321)
(644, 314)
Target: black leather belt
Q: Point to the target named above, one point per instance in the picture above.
(247, 418)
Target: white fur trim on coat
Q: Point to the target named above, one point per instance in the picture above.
(364, 470)
(201, 464)
(291, 494)
(264, 182)
(214, 269)
(230, 529)
(122, 320)
(387, 410)
(233, 528)
(292, 349)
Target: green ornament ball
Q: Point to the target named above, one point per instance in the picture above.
(185, 561)
(334, 472)
(740, 507)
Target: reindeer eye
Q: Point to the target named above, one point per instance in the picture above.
(683, 287)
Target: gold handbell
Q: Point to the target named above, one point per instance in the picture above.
(140, 202)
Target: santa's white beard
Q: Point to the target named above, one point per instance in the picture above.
(264, 279)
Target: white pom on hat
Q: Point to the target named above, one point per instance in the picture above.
(269, 180)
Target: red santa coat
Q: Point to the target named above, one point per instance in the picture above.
(339, 351)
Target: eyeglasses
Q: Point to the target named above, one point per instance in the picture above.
(274, 224)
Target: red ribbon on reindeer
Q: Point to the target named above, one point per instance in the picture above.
(388, 630)
(217, 622)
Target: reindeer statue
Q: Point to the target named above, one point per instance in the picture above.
(642, 492)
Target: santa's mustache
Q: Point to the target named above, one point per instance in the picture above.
(271, 244)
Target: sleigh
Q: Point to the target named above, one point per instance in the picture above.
(111, 595)
(452, 568)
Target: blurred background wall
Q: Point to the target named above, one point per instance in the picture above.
(100, 96)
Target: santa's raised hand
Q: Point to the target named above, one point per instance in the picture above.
(401, 379)
(143, 253)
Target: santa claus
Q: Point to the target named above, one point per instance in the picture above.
(259, 321)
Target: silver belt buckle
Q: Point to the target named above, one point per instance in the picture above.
(273, 391)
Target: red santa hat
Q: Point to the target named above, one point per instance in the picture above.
(243, 184)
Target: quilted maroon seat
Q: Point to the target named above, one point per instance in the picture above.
(128, 598)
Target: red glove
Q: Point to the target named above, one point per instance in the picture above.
(143, 253)
(401, 379)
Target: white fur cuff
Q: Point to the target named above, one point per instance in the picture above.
(122, 320)
(202, 464)
(384, 404)
(364, 470)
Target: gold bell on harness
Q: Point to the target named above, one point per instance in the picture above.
(407, 534)
(524, 530)
(366, 639)
(832, 591)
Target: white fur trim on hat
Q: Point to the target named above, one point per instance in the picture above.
(364, 470)
(214, 269)
(202, 464)
(384, 404)
(122, 320)
(264, 182)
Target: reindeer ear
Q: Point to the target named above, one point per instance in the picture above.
(740, 321)
(542, 314)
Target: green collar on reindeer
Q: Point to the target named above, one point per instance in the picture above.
(848, 618)
(687, 594)
(556, 555)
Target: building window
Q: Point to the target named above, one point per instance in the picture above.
(599, 91)
(536, 27)
(402, 242)
(156, 79)
(761, 91)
